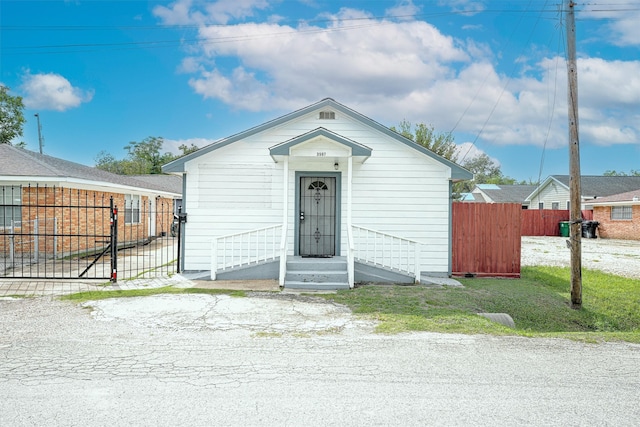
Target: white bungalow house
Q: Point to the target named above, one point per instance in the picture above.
(319, 198)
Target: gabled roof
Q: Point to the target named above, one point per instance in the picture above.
(17, 163)
(630, 197)
(594, 185)
(506, 193)
(178, 165)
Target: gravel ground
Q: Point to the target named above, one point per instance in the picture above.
(619, 257)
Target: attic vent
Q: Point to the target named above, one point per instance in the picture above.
(327, 115)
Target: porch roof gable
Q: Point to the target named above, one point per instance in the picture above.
(357, 149)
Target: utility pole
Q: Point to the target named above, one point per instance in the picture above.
(40, 139)
(574, 162)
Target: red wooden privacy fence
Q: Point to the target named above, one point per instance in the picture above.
(546, 222)
(486, 239)
(486, 236)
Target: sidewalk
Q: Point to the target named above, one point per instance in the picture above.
(36, 287)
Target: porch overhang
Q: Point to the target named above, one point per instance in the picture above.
(320, 143)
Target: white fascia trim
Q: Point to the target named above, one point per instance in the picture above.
(94, 185)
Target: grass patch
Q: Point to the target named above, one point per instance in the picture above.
(81, 297)
(538, 303)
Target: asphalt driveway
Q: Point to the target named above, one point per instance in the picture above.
(123, 362)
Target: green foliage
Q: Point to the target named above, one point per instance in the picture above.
(143, 157)
(81, 297)
(485, 170)
(440, 143)
(633, 172)
(539, 304)
(11, 116)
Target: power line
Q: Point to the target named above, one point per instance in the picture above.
(372, 21)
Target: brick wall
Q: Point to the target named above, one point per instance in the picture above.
(80, 219)
(617, 229)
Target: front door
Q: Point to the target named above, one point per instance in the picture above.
(317, 216)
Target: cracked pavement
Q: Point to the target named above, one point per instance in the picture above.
(204, 360)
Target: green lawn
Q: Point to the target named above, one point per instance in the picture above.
(99, 295)
(538, 303)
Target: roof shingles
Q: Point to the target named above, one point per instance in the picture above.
(17, 162)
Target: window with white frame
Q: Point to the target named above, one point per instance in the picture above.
(131, 209)
(555, 205)
(621, 212)
(540, 205)
(10, 204)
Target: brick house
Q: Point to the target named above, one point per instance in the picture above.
(67, 205)
(618, 215)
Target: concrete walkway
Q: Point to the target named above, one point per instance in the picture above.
(35, 287)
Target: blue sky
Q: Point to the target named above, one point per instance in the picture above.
(103, 73)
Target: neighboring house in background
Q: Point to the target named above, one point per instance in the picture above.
(618, 216)
(553, 193)
(40, 189)
(318, 198)
(499, 193)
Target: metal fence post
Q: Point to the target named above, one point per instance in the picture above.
(12, 243)
(179, 238)
(114, 240)
(36, 239)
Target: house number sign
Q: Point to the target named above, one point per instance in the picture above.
(321, 154)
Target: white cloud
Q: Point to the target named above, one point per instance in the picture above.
(185, 12)
(622, 18)
(467, 151)
(52, 92)
(404, 10)
(467, 7)
(172, 145)
(285, 64)
(381, 68)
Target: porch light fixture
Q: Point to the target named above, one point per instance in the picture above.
(336, 165)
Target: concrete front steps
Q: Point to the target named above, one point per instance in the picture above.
(316, 273)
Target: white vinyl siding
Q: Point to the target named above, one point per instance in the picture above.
(552, 192)
(239, 188)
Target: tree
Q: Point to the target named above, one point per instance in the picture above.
(616, 173)
(187, 149)
(11, 117)
(485, 170)
(440, 143)
(143, 157)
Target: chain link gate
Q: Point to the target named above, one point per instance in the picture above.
(59, 233)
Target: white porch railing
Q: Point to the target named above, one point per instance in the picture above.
(387, 251)
(245, 248)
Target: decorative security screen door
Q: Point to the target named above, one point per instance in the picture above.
(317, 216)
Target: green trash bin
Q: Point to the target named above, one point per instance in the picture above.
(564, 228)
